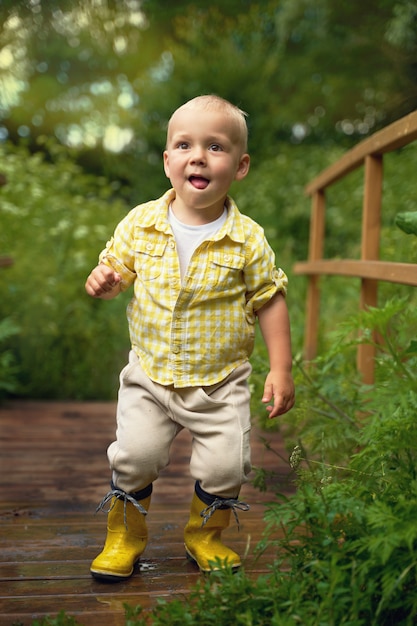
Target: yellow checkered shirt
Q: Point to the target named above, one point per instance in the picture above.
(194, 332)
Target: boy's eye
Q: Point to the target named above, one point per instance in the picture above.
(183, 145)
(215, 147)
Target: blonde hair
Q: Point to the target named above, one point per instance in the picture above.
(216, 103)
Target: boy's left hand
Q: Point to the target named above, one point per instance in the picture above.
(279, 386)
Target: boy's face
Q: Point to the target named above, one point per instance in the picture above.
(203, 157)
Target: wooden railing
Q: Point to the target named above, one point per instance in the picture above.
(369, 268)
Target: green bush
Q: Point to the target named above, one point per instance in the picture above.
(55, 220)
(8, 367)
(350, 534)
(62, 619)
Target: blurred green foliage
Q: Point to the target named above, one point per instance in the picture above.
(8, 367)
(86, 89)
(55, 219)
(104, 77)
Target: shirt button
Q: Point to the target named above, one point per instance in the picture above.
(172, 244)
(149, 246)
(175, 349)
(227, 257)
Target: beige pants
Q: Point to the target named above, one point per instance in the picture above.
(149, 416)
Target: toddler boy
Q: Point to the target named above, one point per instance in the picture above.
(202, 273)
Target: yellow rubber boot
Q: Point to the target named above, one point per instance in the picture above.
(125, 542)
(202, 539)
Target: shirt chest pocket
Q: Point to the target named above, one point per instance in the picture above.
(225, 270)
(149, 258)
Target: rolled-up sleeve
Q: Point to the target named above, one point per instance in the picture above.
(262, 277)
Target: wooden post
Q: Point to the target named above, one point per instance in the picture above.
(316, 246)
(371, 230)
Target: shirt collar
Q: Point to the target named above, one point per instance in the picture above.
(233, 226)
(156, 215)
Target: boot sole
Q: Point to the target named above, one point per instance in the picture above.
(107, 577)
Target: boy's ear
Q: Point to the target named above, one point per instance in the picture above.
(166, 165)
(243, 167)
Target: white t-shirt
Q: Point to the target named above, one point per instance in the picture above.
(188, 238)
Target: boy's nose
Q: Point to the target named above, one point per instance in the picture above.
(198, 156)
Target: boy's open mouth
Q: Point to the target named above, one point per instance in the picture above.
(199, 182)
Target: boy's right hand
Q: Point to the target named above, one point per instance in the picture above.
(103, 282)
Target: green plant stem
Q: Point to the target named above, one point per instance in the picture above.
(323, 398)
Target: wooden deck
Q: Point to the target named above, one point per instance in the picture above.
(53, 473)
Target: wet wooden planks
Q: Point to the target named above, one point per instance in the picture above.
(53, 473)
